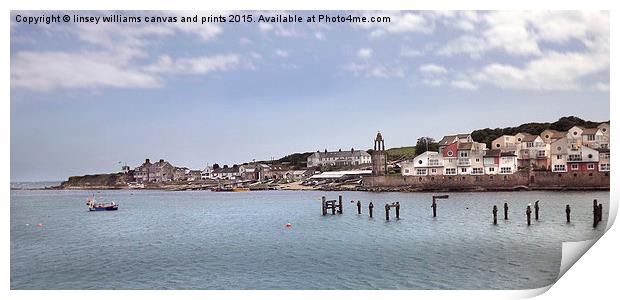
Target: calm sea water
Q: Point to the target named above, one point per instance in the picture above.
(207, 240)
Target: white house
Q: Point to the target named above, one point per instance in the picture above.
(427, 163)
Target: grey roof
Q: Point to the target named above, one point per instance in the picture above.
(493, 152)
(343, 153)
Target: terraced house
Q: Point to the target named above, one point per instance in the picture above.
(338, 158)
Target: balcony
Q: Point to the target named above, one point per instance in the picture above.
(463, 161)
(574, 158)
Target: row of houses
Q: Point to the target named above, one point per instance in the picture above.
(164, 171)
(578, 149)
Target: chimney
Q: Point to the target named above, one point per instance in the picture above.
(340, 150)
(161, 161)
(147, 161)
(325, 150)
(352, 150)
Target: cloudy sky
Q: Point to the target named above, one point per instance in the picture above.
(85, 96)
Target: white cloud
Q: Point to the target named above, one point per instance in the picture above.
(195, 65)
(603, 87)
(553, 71)
(44, 71)
(281, 53)
(364, 53)
(410, 52)
(265, 27)
(433, 68)
(375, 70)
(432, 82)
(523, 33)
(400, 22)
(464, 85)
(319, 35)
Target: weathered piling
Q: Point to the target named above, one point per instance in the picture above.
(495, 214)
(595, 213)
(434, 205)
(323, 207)
(398, 210)
(370, 207)
(505, 211)
(387, 212)
(536, 208)
(528, 212)
(340, 204)
(600, 212)
(567, 213)
(359, 207)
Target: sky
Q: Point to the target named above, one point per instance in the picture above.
(86, 98)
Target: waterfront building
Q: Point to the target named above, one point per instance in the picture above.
(253, 172)
(603, 162)
(160, 171)
(338, 158)
(550, 135)
(227, 173)
(206, 172)
(533, 152)
(427, 163)
(470, 158)
(379, 156)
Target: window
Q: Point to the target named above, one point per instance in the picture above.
(574, 167)
(530, 144)
(604, 167)
(464, 154)
(420, 172)
(491, 169)
(558, 156)
(506, 139)
(433, 171)
(477, 159)
(590, 137)
(589, 155)
(477, 171)
(463, 170)
(541, 153)
(406, 171)
(450, 153)
(590, 166)
(505, 170)
(498, 145)
(559, 168)
(420, 161)
(450, 171)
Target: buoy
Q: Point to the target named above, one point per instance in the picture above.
(288, 225)
(40, 225)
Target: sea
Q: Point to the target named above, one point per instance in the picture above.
(240, 240)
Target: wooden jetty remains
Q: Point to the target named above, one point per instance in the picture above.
(528, 212)
(495, 214)
(331, 204)
(567, 213)
(434, 205)
(370, 207)
(387, 210)
(505, 211)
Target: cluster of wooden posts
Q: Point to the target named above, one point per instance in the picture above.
(331, 204)
(597, 213)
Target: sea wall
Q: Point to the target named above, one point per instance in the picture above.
(518, 180)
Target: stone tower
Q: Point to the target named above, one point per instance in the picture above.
(379, 157)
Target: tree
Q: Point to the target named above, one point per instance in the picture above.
(425, 144)
(216, 166)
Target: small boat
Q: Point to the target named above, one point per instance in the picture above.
(94, 206)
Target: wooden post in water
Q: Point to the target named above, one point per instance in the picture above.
(434, 206)
(600, 212)
(505, 211)
(536, 207)
(398, 210)
(340, 204)
(387, 212)
(495, 214)
(567, 213)
(528, 212)
(323, 208)
(370, 207)
(595, 212)
(359, 207)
